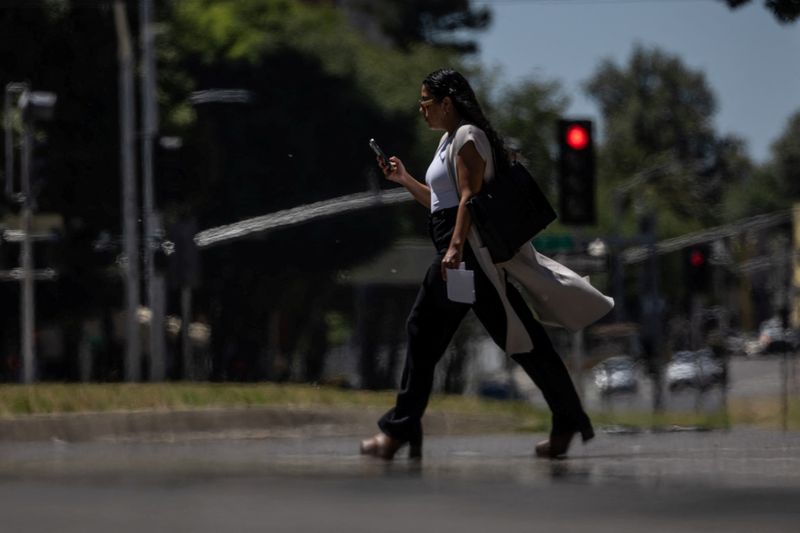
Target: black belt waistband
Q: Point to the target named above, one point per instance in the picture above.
(440, 227)
(443, 213)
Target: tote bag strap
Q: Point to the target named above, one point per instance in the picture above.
(451, 170)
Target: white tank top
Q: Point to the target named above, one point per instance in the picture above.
(443, 189)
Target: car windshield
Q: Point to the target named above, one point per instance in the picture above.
(618, 364)
(683, 357)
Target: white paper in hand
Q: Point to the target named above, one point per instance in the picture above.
(461, 285)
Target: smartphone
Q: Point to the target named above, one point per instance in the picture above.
(379, 152)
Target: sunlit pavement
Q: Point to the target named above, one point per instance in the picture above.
(739, 480)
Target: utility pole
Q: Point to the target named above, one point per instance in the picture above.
(130, 235)
(154, 282)
(28, 300)
(651, 308)
(32, 105)
(616, 264)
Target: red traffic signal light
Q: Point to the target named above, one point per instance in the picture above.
(576, 171)
(577, 137)
(697, 258)
(698, 268)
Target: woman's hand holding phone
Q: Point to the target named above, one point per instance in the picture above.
(393, 169)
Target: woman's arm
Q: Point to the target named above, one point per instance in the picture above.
(397, 173)
(470, 168)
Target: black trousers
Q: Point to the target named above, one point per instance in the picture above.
(433, 322)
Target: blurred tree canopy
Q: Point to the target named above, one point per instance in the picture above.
(409, 22)
(659, 142)
(785, 11)
(786, 159)
(774, 185)
(526, 114)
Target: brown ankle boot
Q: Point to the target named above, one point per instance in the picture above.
(558, 443)
(385, 447)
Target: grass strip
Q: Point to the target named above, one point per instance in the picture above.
(53, 398)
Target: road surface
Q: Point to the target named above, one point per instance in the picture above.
(732, 481)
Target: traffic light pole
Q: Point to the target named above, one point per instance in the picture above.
(154, 283)
(12, 90)
(28, 300)
(32, 105)
(617, 266)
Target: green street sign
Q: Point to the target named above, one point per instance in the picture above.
(554, 243)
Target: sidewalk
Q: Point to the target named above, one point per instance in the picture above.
(253, 421)
(484, 445)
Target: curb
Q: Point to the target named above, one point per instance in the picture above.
(253, 422)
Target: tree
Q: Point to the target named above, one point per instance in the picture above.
(658, 137)
(786, 11)
(786, 160)
(526, 115)
(772, 186)
(432, 22)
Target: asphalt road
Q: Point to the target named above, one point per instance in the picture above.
(732, 481)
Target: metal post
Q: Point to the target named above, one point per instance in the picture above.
(133, 348)
(617, 267)
(9, 139)
(28, 301)
(653, 316)
(186, 346)
(149, 129)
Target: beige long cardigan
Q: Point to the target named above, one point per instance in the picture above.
(558, 295)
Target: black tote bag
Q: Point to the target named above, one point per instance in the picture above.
(509, 211)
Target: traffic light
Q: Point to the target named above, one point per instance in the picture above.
(40, 161)
(698, 271)
(576, 172)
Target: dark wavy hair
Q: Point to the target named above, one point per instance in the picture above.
(448, 82)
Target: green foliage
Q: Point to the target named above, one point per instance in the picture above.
(339, 330)
(659, 143)
(785, 11)
(773, 186)
(526, 114)
(653, 105)
(409, 22)
(786, 160)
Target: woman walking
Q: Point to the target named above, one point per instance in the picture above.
(465, 157)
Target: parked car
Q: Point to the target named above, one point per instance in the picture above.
(696, 369)
(774, 338)
(616, 375)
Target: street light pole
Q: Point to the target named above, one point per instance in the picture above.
(154, 284)
(28, 300)
(32, 105)
(133, 343)
(13, 90)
